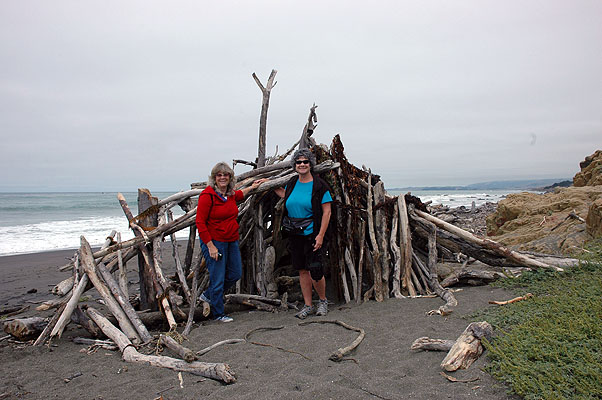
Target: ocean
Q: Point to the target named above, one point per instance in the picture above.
(37, 222)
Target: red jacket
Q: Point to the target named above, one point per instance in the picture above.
(215, 218)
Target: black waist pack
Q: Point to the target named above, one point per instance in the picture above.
(295, 226)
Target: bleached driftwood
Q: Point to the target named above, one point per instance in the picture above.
(218, 371)
(486, 243)
(88, 263)
(427, 344)
(185, 353)
(467, 347)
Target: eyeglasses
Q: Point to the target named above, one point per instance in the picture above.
(299, 162)
(222, 175)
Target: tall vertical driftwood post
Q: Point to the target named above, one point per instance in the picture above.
(263, 119)
(147, 286)
(405, 238)
(147, 290)
(381, 236)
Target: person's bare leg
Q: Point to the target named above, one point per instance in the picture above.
(305, 281)
(320, 287)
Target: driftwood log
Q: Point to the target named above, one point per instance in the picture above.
(25, 328)
(218, 371)
(468, 347)
(428, 344)
(185, 353)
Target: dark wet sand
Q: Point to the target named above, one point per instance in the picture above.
(382, 367)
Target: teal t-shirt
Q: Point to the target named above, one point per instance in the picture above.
(298, 203)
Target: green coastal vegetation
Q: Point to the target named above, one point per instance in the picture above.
(550, 346)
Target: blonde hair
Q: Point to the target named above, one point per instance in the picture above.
(223, 168)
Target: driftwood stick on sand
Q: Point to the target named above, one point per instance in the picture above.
(105, 344)
(467, 347)
(428, 344)
(269, 328)
(218, 371)
(486, 243)
(185, 353)
(213, 346)
(514, 300)
(339, 354)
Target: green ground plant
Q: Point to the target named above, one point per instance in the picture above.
(550, 346)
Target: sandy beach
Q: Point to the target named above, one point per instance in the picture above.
(382, 367)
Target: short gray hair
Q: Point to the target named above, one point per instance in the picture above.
(223, 168)
(307, 154)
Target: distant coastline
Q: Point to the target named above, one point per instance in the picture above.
(526, 184)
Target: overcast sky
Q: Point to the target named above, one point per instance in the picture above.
(116, 95)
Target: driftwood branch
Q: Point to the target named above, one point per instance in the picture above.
(339, 354)
(216, 371)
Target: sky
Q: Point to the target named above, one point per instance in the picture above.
(116, 95)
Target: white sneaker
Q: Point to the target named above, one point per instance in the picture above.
(224, 318)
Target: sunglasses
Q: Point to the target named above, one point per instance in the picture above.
(299, 162)
(221, 175)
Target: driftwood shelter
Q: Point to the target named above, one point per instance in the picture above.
(381, 246)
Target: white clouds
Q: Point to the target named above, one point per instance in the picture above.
(456, 88)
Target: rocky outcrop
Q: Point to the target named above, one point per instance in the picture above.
(594, 219)
(591, 171)
(553, 222)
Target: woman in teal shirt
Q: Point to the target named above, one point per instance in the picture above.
(307, 205)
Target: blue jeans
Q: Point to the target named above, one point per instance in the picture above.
(223, 273)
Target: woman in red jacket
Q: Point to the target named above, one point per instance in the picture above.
(218, 229)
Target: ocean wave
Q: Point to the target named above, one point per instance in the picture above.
(58, 235)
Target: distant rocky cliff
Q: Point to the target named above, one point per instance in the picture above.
(559, 222)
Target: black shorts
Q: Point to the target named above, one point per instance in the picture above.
(301, 248)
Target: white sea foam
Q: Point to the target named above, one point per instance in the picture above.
(56, 235)
(457, 198)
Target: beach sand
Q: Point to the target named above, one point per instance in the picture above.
(382, 367)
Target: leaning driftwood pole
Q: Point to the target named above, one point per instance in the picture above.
(147, 287)
(486, 243)
(263, 119)
(112, 304)
(124, 302)
(129, 353)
